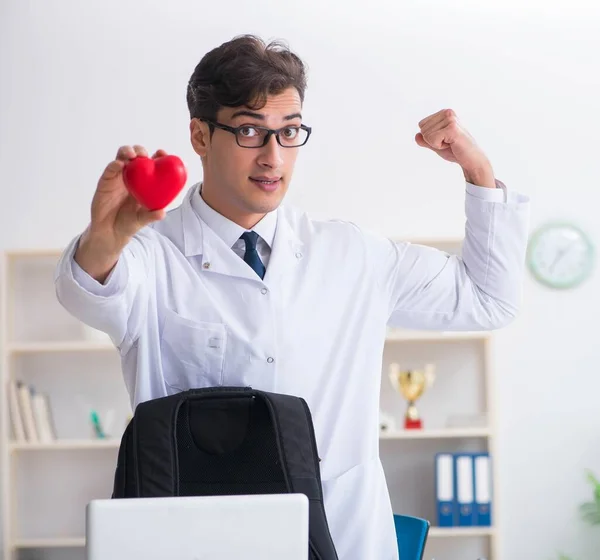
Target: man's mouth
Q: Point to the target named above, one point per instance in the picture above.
(266, 183)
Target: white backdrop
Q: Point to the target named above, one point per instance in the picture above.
(78, 79)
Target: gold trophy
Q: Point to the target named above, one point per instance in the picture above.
(411, 384)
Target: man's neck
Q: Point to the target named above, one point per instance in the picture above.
(247, 221)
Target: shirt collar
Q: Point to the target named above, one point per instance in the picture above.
(227, 230)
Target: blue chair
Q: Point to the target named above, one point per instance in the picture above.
(411, 534)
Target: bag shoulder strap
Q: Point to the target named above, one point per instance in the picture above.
(296, 432)
(154, 446)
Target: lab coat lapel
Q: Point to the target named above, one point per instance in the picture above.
(202, 242)
(218, 258)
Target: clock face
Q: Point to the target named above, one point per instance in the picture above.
(560, 255)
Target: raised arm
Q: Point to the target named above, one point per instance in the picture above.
(100, 276)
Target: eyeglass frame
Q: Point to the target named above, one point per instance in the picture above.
(270, 132)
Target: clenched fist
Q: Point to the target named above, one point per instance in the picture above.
(443, 134)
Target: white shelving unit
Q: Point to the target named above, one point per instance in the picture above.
(463, 386)
(44, 346)
(45, 486)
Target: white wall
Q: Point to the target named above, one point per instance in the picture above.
(77, 80)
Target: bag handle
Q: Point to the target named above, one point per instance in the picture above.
(219, 392)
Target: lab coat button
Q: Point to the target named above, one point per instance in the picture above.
(264, 291)
(206, 265)
(270, 360)
(298, 255)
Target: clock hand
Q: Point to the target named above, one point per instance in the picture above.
(559, 256)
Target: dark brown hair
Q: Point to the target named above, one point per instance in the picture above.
(243, 72)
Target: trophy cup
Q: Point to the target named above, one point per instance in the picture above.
(411, 384)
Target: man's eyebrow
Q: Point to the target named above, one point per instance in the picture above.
(261, 117)
(251, 114)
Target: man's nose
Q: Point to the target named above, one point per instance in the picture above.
(270, 155)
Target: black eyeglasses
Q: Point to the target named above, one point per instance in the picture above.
(252, 136)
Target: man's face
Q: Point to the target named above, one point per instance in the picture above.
(244, 184)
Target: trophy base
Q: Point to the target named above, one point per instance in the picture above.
(410, 424)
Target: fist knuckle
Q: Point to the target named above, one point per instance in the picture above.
(453, 126)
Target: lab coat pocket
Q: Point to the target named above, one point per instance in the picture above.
(193, 352)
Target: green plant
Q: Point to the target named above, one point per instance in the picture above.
(590, 511)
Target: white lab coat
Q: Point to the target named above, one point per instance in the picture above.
(185, 311)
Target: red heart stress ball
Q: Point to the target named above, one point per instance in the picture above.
(154, 182)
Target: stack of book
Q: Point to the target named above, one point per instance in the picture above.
(30, 416)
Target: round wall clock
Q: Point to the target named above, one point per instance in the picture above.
(560, 255)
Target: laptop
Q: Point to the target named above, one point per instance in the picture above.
(255, 527)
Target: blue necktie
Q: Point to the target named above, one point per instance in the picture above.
(251, 255)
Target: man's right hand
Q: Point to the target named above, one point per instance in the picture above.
(116, 217)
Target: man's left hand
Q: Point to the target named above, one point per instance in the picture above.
(443, 134)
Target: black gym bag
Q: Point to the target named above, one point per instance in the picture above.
(225, 441)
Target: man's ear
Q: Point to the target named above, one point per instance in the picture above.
(199, 136)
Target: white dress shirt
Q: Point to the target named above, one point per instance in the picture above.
(185, 311)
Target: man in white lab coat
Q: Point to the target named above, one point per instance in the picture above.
(234, 288)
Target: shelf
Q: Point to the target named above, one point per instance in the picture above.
(434, 532)
(67, 445)
(443, 532)
(33, 253)
(67, 346)
(399, 335)
(442, 433)
(392, 336)
(64, 542)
